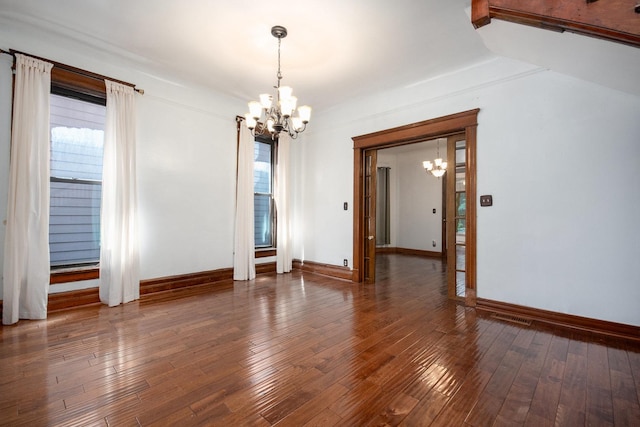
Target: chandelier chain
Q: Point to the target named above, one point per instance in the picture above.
(279, 75)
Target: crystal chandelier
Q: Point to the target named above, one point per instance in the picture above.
(275, 117)
(437, 167)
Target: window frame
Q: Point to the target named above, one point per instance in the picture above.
(88, 99)
(265, 251)
(89, 87)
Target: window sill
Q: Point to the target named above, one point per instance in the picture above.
(74, 274)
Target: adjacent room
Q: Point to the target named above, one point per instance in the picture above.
(319, 213)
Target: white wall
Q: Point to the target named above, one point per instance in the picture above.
(186, 170)
(186, 150)
(322, 175)
(420, 193)
(387, 159)
(414, 195)
(560, 157)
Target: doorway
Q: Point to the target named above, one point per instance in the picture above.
(365, 152)
(410, 205)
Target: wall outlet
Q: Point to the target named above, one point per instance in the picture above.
(345, 262)
(433, 243)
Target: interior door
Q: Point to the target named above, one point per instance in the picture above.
(369, 226)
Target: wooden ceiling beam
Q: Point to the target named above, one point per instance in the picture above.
(614, 20)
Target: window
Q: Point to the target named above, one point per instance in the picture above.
(264, 211)
(77, 135)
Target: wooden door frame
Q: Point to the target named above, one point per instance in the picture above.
(370, 244)
(450, 222)
(443, 220)
(464, 122)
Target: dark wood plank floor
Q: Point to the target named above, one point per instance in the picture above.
(296, 350)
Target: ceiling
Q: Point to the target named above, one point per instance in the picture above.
(335, 49)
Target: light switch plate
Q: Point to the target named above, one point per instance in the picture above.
(486, 200)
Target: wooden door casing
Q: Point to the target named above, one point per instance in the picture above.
(464, 122)
(370, 196)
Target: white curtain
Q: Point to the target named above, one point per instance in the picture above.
(282, 196)
(119, 256)
(26, 259)
(244, 267)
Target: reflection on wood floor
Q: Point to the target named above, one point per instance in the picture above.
(309, 350)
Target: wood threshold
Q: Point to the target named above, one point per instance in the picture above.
(407, 251)
(569, 321)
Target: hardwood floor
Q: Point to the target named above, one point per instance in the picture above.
(296, 350)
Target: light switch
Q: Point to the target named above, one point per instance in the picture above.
(486, 200)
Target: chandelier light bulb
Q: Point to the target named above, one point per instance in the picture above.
(285, 92)
(265, 100)
(305, 113)
(250, 121)
(255, 109)
(288, 105)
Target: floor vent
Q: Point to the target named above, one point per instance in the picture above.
(514, 319)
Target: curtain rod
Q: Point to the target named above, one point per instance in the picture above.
(79, 71)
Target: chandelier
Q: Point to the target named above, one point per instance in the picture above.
(437, 167)
(275, 117)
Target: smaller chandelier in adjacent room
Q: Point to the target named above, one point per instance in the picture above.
(437, 167)
(267, 116)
